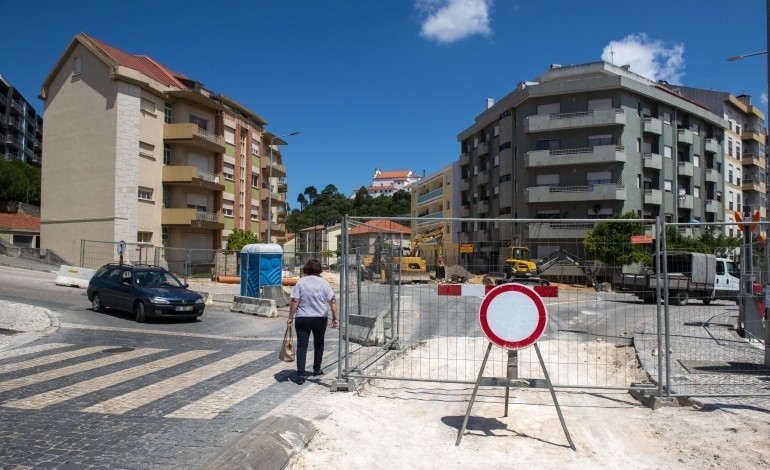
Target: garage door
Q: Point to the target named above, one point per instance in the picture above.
(199, 241)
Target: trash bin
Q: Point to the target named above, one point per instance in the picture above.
(260, 266)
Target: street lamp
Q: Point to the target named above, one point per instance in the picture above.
(739, 57)
(270, 184)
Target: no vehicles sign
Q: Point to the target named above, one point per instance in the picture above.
(513, 316)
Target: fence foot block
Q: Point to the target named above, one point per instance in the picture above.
(344, 385)
(649, 397)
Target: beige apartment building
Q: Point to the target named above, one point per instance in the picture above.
(434, 198)
(137, 153)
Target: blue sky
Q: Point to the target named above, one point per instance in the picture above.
(390, 84)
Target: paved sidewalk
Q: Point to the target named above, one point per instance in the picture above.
(20, 323)
(707, 356)
(27, 264)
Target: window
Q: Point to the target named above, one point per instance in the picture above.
(254, 213)
(730, 174)
(594, 140)
(667, 117)
(227, 208)
(667, 186)
(504, 146)
(696, 192)
(696, 160)
(496, 160)
(199, 202)
(76, 66)
(497, 131)
(603, 103)
(229, 135)
(144, 237)
(729, 147)
(146, 150)
(548, 180)
(166, 154)
(148, 106)
(738, 202)
(551, 108)
(145, 194)
(551, 144)
(599, 177)
(254, 180)
(228, 170)
(255, 148)
(201, 122)
(505, 178)
(167, 113)
(668, 151)
(638, 145)
(164, 234)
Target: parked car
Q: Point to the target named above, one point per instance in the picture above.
(147, 291)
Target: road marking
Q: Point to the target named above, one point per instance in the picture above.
(53, 397)
(74, 369)
(132, 400)
(40, 361)
(32, 349)
(78, 326)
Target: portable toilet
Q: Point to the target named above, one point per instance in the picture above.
(261, 265)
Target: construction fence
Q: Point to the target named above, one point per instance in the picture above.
(679, 307)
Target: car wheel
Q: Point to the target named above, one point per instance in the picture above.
(96, 303)
(681, 297)
(706, 301)
(141, 314)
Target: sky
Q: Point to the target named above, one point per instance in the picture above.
(389, 84)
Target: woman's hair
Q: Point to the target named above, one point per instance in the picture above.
(312, 268)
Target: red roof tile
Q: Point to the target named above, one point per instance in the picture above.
(384, 226)
(143, 64)
(19, 222)
(393, 174)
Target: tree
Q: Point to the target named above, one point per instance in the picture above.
(610, 242)
(302, 200)
(675, 241)
(721, 245)
(240, 238)
(330, 190)
(19, 182)
(311, 194)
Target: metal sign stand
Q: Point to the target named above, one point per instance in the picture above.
(516, 382)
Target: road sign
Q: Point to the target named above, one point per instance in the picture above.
(466, 248)
(121, 247)
(641, 239)
(513, 316)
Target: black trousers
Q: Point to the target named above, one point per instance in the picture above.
(304, 326)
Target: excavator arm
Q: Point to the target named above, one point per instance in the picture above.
(560, 254)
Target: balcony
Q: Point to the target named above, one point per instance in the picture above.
(280, 216)
(17, 106)
(753, 134)
(483, 177)
(652, 161)
(653, 126)
(191, 134)
(465, 184)
(276, 170)
(481, 236)
(713, 206)
(10, 140)
(190, 175)
(653, 197)
(465, 210)
(685, 202)
(483, 206)
(753, 159)
(15, 122)
(593, 192)
(465, 158)
(277, 229)
(283, 185)
(685, 169)
(684, 136)
(12, 156)
(712, 176)
(559, 230)
(712, 146)
(192, 218)
(482, 149)
(436, 193)
(580, 156)
(753, 184)
(429, 218)
(582, 119)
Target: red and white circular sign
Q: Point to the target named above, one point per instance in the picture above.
(513, 316)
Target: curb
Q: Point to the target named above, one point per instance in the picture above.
(29, 268)
(30, 336)
(269, 445)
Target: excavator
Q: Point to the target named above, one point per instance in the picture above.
(519, 267)
(408, 266)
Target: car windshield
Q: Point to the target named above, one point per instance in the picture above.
(156, 279)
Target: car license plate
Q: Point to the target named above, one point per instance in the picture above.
(183, 309)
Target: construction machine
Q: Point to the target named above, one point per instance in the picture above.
(520, 268)
(407, 266)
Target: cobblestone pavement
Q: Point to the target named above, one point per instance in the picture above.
(109, 397)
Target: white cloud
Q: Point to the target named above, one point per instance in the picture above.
(447, 21)
(649, 58)
(763, 98)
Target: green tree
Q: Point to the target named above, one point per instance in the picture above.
(610, 242)
(19, 182)
(240, 238)
(721, 245)
(302, 200)
(311, 194)
(675, 241)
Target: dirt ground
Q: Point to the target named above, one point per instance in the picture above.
(396, 424)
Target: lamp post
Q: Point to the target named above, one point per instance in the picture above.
(270, 184)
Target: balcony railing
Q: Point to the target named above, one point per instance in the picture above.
(653, 125)
(653, 161)
(711, 145)
(207, 216)
(428, 218)
(10, 139)
(684, 136)
(589, 118)
(576, 156)
(430, 195)
(482, 149)
(589, 192)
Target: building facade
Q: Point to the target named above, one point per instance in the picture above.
(387, 183)
(21, 127)
(435, 197)
(586, 141)
(137, 153)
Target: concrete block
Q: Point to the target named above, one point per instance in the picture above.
(73, 276)
(254, 306)
(277, 294)
(368, 331)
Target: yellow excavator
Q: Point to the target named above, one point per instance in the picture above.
(519, 268)
(407, 266)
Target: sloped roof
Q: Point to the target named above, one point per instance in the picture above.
(19, 222)
(393, 174)
(141, 63)
(315, 227)
(377, 226)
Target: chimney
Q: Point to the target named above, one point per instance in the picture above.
(626, 67)
(555, 66)
(490, 102)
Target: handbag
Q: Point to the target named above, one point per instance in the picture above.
(287, 347)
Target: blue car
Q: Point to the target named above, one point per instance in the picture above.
(147, 291)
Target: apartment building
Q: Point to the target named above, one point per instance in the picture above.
(435, 197)
(21, 127)
(745, 148)
(137, 153)
(586, 141)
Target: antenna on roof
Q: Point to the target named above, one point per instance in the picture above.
(612, 55)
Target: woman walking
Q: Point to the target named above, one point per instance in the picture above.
(308, 305)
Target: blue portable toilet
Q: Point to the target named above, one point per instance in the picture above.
(261, 265)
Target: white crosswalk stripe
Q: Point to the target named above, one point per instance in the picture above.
(75, 369)
(53, 397)
(41, 361)
(31, 349)
(143, 396)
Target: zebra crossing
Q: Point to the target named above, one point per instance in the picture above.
(176, 374)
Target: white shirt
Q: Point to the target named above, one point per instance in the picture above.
(314, 295)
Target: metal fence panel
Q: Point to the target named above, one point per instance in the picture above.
(95, 254)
